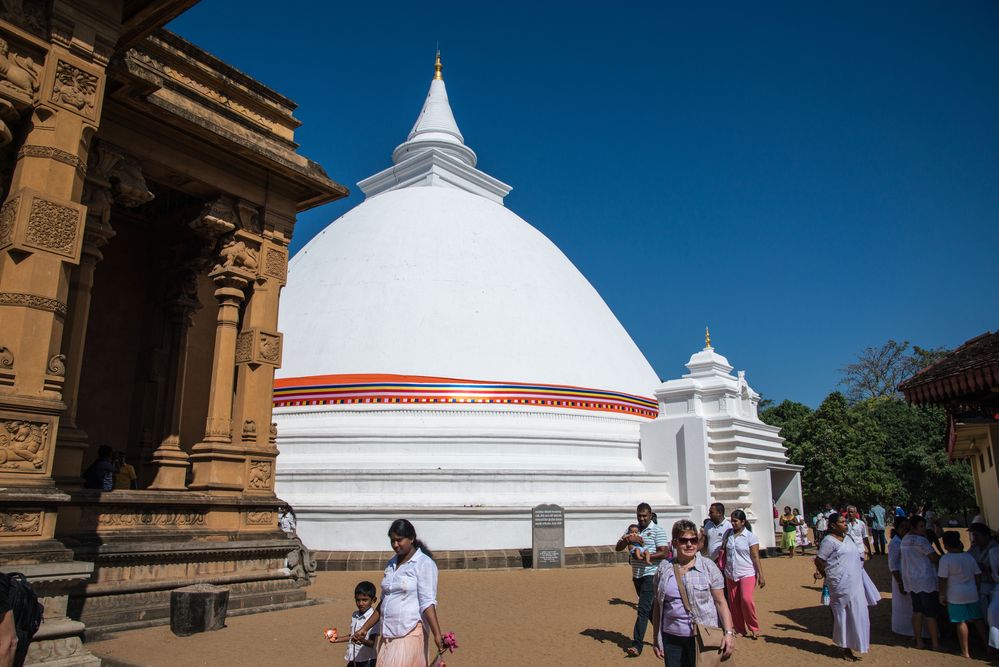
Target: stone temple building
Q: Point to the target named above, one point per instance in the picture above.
(149, 192)
(445, 362)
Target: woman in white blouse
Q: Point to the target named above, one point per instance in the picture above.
(743, 573)
(409, 602)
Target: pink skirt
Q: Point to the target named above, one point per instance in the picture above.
(407, 651)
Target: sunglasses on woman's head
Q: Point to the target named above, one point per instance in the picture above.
(687, 540)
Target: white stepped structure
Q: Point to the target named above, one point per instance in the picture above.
(709, 432)
(445, 362)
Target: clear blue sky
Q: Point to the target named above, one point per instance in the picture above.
(807, 178)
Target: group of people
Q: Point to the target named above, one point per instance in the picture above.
(933, 585)
(700, 577)
(110, 471)
(395, 630)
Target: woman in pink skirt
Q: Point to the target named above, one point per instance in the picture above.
(743, 573)
(409, 602)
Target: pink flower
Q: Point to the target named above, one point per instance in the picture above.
(450, 643)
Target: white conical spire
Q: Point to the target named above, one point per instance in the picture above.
(434, 154)
(435, 127)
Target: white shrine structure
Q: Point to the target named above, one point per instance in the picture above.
(445, 362)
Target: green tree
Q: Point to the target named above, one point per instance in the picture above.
(914, 450)
(841, 449)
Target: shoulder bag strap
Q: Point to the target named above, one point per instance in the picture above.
(682, 587)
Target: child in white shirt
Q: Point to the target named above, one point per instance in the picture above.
(362, 653)
(959, 580)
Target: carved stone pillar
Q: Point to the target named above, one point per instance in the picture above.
(218, 462)
(111, 178)
(169, 460)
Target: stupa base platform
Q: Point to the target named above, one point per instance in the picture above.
(490, 559)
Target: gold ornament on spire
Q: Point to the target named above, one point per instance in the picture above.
(438, 67)
(707, 337)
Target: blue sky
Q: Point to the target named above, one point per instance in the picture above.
(808, 179)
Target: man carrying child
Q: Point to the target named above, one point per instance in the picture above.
(655, 541)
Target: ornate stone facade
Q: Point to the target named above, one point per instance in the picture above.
(105, 122)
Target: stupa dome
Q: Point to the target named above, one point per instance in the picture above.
(436, 281)
(443, 359)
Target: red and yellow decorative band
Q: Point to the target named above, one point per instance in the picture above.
(423, 390)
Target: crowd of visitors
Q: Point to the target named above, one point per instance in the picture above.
(700, 589)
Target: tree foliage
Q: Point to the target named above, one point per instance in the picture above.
(878, 450)
(878, 371)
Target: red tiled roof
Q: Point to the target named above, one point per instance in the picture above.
(970, 370)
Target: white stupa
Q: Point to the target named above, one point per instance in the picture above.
(446, 363)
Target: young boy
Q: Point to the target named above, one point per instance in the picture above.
(361, 654)
(960, 577)
(638, 552)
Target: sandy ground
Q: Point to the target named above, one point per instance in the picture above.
(579, 616)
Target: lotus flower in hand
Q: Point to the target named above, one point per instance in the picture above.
(331, 634)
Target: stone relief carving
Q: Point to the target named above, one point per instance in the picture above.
(74, 87)
(260, 475)
(124, 517)
(258, 518)
(16, 71)
(57, 365)
(33, 301)
(6, 357)
(22, 444)
(244, 347)
(8, 214)
(57, 154)
(112, 178)
(52, 227)
(272, 436)
(275, 264)
(235, 254)
(301, 563)
(248, 215)
(216, 218)
(249, 428)
(28, 523)
(270, 348)
(128, 184)
(29, 14)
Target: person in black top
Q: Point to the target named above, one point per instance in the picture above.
(8, 638)
(100, 474)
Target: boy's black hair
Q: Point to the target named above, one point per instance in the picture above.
(952, 540)
(365, 588)
(632, 525)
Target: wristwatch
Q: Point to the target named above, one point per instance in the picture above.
(730, 633)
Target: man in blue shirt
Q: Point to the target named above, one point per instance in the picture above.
(653, 538)
(877, 514)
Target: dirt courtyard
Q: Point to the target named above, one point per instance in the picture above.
(578, 616)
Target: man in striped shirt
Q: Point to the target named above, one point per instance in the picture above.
(653, 538)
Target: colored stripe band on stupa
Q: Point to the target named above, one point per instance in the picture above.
(423, 390)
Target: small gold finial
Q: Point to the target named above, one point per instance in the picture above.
(707, 337)
(438, 67)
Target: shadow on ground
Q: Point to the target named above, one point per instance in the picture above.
(608, 636)
(627, 603)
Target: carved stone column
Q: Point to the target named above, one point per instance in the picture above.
(111, 178)
(218, 462)
(169, 460)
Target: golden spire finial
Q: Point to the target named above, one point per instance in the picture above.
(707, 337)
(438, 67)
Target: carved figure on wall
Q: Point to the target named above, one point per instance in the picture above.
(128, 184)
(74, 87)
(57, 365)
(21, 522)
(301, 564)
(19, 72)
(28, 14)
(249, 427)
(237, 255)
(260, 475)
(6, 357)
(20, 442)
(270, 348)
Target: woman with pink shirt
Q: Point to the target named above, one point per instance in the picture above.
(704, 586)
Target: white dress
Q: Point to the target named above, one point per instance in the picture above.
(901, 603)
(850, 593)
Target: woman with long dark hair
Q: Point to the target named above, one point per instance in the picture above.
(408, 608)
(743, 573)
